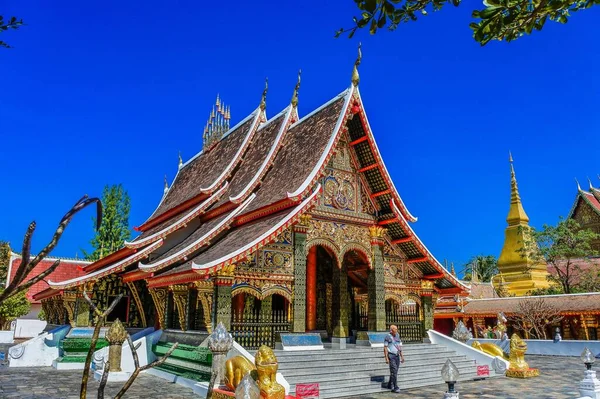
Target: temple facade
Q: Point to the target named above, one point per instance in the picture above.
(288, 223)
(586, 211)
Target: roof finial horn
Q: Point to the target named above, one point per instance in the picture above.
(263, 101)
(590, 182)
(180, 160)
(578, 186)
(355, 76)
(296, 89)
(166, 184)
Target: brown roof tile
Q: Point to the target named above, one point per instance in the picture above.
(566, 303)
(203, 170)
(261, 144)
(301, 149)
(482, 290)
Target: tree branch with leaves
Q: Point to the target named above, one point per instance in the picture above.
(499, 20)
(12, 23)
(564, 248)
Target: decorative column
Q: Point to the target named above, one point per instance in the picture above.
(311, 289)
(70, 298)
(427, 306)
(82, 312)
(159, 297)
(115, 336)
(205, 300)
(376, 282)
(340, 301)
(299, 307)
(223, 281)
(180, 294)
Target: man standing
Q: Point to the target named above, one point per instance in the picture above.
(392, 349)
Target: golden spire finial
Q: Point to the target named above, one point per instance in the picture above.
(452, 271)
(516, 214)
(263, 100)
(510, 158)
(180, 160)
(218, 102)
(296, 89)
(355, 76)
(166, 184)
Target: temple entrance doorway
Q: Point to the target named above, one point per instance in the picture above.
(256, 322)
(356, 265)
(405, 313)
(319, 295)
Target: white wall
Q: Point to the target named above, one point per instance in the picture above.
(38, 351)
(29, 328)
(547, 347)
(496, 364)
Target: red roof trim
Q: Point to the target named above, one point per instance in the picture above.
(115, 256)
(358, 141)
(402, 240)
(172, 212)
(134, 275)
(47, 293)
(367, 168)
(186, 276)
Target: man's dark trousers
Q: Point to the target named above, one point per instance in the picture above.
(394, 365)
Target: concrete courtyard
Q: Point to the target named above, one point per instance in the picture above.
(559, 379)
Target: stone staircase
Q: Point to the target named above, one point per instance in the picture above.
(186, 361)
(359, 370)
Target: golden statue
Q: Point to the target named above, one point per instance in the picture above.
(518, 367)
(236, 369)
(490, 349)
(266, 366)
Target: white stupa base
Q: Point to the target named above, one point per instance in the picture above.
(113, 376)
(590, 386)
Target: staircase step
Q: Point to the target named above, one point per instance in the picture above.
(360, 364)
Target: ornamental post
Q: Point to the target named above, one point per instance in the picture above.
(376, 282)
(426, 306)
(299, 298)
(223, 282)
(115, 336)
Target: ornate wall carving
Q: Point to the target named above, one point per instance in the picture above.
(159, 297)
(338, 237)
(180, 294)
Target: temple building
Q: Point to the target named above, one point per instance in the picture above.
(586, 211)
(519, 272)
(67, 269)
(287, 222)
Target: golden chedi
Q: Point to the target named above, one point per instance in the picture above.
(518, 367)
(266, 367)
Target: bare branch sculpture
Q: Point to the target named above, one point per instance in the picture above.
(139, 369)
(100, 319)
(18, 283)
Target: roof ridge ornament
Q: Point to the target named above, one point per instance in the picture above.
(166, 185)
(263, 100)
(590, 182)
(180, 161)
(578, 186)
(217, 124)
(296, 90)
(355, 76)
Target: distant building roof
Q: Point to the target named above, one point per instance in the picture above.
(68, 268)
(566, 303)
(482, 290)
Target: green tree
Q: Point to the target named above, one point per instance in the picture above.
(114, 229)
(12, 23)
(4, 261)
(499, 20)
(486, 266)
(562, 247)
(12, 308)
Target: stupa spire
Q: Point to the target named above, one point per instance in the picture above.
(516, 214)
(217, 124)
(355, 76)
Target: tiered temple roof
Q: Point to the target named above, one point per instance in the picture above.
(256, 180)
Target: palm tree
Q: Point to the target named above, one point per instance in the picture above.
(485, 266)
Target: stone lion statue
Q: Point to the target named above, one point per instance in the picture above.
(236, 369)
(518, 347)
(266, 367)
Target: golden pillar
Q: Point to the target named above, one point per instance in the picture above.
(311, 290)
(115, 336)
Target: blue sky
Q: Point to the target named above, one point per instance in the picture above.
(101, 94)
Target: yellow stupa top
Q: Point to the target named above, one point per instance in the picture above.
(518, 269)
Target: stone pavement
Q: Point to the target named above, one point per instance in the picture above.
(48, 383)
(559, 379)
